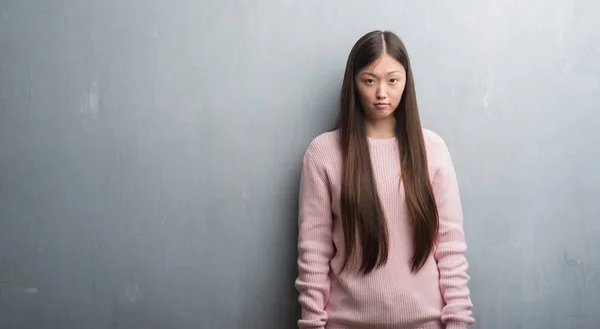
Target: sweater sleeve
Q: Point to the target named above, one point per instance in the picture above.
(451, 246)
(315, 245)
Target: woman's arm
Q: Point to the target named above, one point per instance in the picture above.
(451, 246)
(315, 244)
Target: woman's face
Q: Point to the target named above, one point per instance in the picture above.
(380, 87)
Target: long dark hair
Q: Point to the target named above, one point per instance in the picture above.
(360, 205)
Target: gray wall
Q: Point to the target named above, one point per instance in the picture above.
(150, 153)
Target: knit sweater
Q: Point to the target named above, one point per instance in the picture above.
(390, 297)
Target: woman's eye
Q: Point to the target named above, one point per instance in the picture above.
(394, 80)
(370, 81)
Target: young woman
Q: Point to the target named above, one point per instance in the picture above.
(381, 241)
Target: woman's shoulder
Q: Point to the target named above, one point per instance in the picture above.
(434, 143)
(324, 145)
(436, 148)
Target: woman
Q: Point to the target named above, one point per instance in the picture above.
(381, 242)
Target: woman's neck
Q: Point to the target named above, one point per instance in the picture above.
(381, 129)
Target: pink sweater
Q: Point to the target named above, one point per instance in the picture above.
(390, 297)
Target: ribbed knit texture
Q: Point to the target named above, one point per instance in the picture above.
(390, 297)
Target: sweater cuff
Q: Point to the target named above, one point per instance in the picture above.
(456, 325)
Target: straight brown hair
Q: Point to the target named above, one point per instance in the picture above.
(360, 204)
